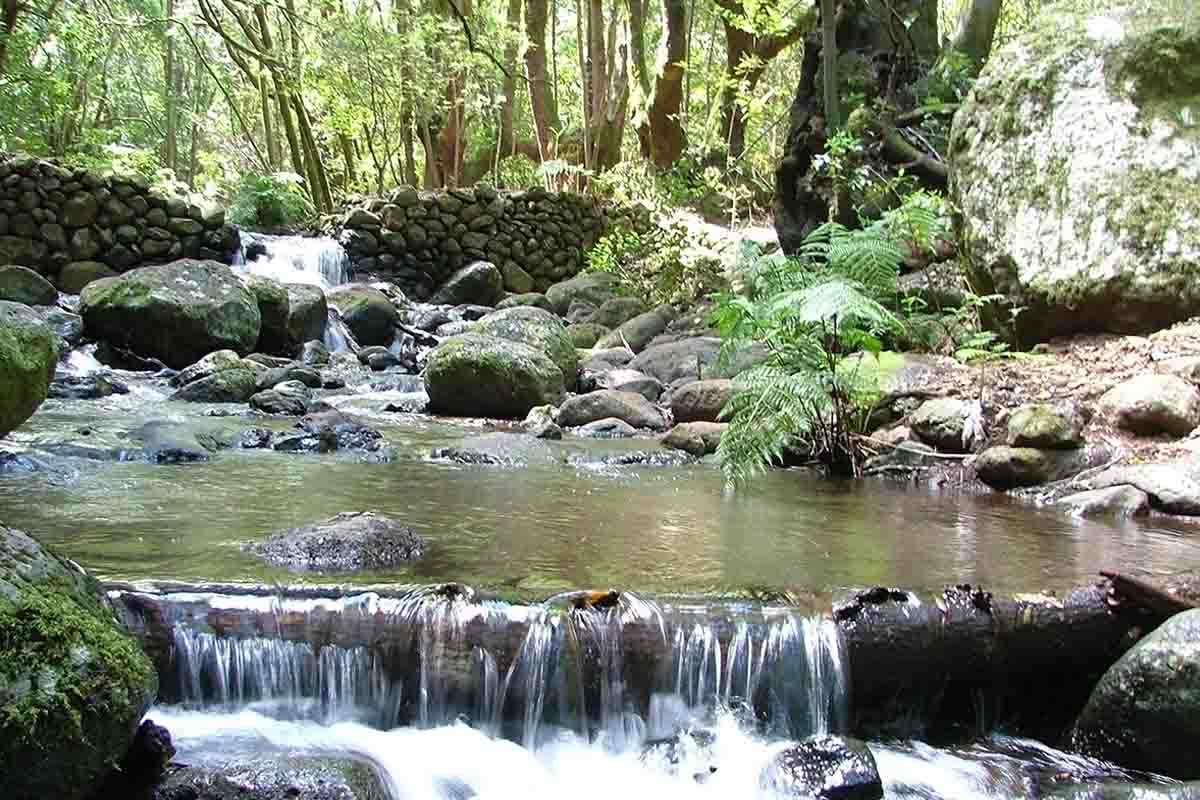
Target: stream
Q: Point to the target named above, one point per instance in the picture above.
(506, 693)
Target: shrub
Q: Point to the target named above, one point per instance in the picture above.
(271, 201)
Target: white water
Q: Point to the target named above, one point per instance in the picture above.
(318, 260)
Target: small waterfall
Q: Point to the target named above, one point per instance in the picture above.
(338, 338)
(618, 671)
(318, 260)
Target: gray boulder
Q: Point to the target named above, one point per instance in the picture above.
(941, 423)
(176, 312)
(78, 274)
(1045, 426)
(538, 329)
(540, 423)
(593, 288)
(228, 382)
(630, 380)
(1084, 232)
(73, 683)
(535, 299)
(1003, 467)
(367, 312)
(697, 438)
(1115, 501)
(617, 311)
(1145, 712)
(479, 375)
(607, 428)
(290, 398)
(479, 282)
(637, 332)
(1172, 487)
(308, 312)
(701, 401)
(23, 285)
(1153, 404)
(604, 403)
(274, 306)
(28, 356)
(347, 542)
(823, 767)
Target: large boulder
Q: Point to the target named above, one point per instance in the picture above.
(1075, 170)
(824, 767)
(23, 285)
(274, 306)
(540, 330)
(480, 375)
(943, 422)
(617, 311)
(73, 683)
(593, 288)
(220, 377)
(1145, 712)
(1152, 404)
(28, 355)
(347, 542)
(78, 274)
(478, 283)
(1046, 426)
(608, 403)
(687, 358)
(270, 776)
(367, 312)
(637, 332)
(701, 401)
(1003, 467)
(176, 312)
(308, 312)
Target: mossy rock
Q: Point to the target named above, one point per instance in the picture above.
(274, 307)
(593, 288)
(28, 355)
(1045, 426)
(73, 683)
(474, 374)
(23, 285)
(367, 312)
(176, 312)
(540, 330)
(1145, 712)
(478, 283)
(1080, 231)
(584, 335)
(308, 312)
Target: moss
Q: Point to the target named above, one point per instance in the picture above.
(28, 353)
(72, 684)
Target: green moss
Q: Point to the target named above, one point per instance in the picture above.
(28, 353)
(71, 683)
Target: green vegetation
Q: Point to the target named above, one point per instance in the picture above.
(270, 201)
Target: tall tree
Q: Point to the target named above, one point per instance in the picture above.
(662, 135)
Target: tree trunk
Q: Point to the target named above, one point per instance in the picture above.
(8, 25)
(977, 30)
(170, 153)
(270, 134)
(664, 138)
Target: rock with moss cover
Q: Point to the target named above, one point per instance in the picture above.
(23, 285)
(484, 375)
(1046, 426)
(1145, 712)
(535, 299)
(592, 288)
(176, 312)
(307, 314)
(367, 312)
(78, 274)
(28, 354)
(1004, 467)
(73, 683)
(584, 335)
(540, 330)
(220, 377)
(617, 311)
(636, 333)
(1075, 169)
(274, 306)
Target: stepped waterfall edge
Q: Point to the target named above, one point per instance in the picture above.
(943, 666)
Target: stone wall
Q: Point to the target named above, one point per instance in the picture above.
(52, 216)
(418, 239)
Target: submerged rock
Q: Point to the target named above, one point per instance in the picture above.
(1145, 712)
(1173, 488)
(607, 428)
(268, 777)
(28, 355)
(478, 375)
(824, 767)
(697, 438)
(86, 387)
(1117, 501)
(347, 542)
(1085, 232)
(328, 431)
(290, 398)
(177, 312)
(499, 450)
(73, 683)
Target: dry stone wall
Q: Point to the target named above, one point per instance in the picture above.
(64, 222)
(418, 239)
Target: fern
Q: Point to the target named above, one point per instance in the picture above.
(810, 312)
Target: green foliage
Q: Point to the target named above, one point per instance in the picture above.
(270, 201)
(651, 264)
(810, 312)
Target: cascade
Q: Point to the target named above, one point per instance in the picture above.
(318, 260)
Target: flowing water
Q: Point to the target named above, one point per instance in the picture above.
(451, 698)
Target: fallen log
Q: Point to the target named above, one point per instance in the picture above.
(959, 663)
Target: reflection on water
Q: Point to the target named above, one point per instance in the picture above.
(541, 528)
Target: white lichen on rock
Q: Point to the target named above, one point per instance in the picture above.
(1077, 169)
